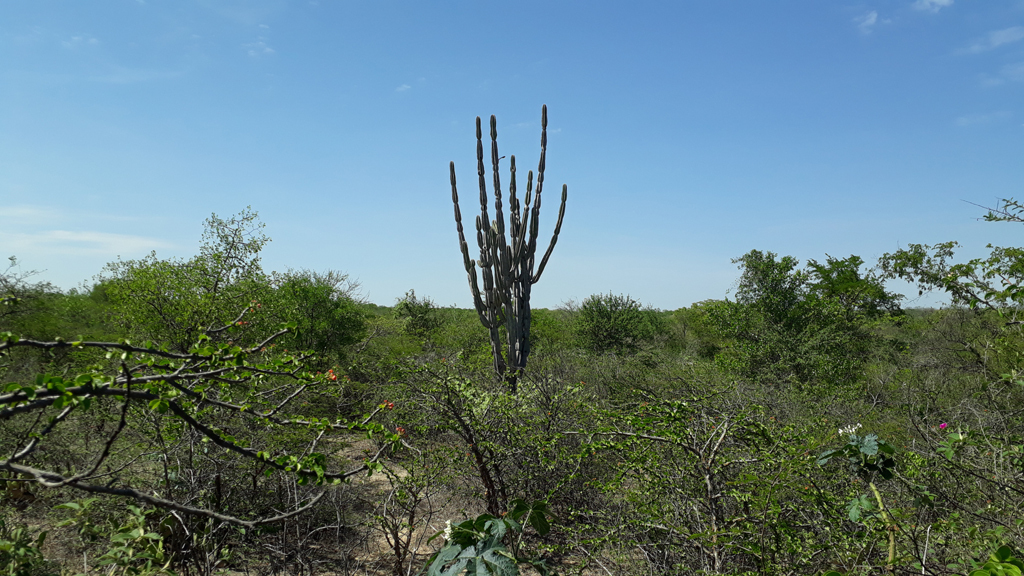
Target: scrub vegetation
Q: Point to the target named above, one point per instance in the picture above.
(202, 416)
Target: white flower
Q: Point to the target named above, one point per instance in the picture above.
(849, 430)
(447, 531)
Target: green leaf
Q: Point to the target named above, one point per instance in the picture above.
(497, 562)
(857, 507)
(497, 528)
(443, 557)
(869, 445)
(540, 523)
(826, 456)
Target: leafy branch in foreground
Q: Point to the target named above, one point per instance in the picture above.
(995, 283)
(214, 396)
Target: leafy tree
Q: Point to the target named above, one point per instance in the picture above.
(995, 283)
(328, 320)
(175, 301)
(985, 292)
(550, 329)
(614, 323)
(775, 288)
(692, 331)
(785, 328)
(40, 310)
(420, 314)
(860, 293)
(20, 299)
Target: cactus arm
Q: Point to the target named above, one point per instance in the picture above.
(499, 215)
(458, 220)
(480, 176)
(507, 280)
(513, 203)
(464, 248)
(524, 226)
(540, 182)
(486, 263)
(554, 237)
(500, 256)
(500, 276)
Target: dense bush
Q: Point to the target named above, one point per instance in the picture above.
(614, 323)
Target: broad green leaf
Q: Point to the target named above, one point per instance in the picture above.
(869, 445)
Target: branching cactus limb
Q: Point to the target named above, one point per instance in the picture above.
(507, 260)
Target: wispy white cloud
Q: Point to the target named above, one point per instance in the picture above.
(120, 75)
(403, 88)
(80, 243)
(982, 119)
(80, 40)
(264, 26)
(996, 39)
(258, 48)
(23, 212)
(1013, 72)
(932, 6)
(867, 22)
(32, 215)
(26, 216)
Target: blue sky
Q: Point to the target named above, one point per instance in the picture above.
(688, 132)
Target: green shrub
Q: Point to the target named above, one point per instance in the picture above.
(610, 323)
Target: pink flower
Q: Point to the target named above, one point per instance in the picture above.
(942, 426)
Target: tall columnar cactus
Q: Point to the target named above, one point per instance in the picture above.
(506, 262)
